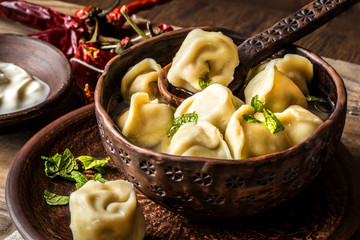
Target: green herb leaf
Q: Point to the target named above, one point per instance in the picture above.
(89, 162)
(54, 199)
(257, 104)
(314, 99)
(80, 179)
(60, 164)
(272, 122)
(98, 177)
(204, 82)
(250, 118)
(181, 120)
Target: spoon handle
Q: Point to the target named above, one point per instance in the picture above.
(288, 30)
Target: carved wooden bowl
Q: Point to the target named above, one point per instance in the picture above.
(41, 60)
(203, 188)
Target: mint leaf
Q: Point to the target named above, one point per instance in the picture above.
(204, 82)
(54, 199)
(60, 164)
(181, 120)
(98, 177)
(257, 104)
(272, 122)
(80, 179)
(314, 99)
(89, 162)
(250, 118)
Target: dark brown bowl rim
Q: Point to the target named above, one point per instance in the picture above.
(110, 125)
(51, 99)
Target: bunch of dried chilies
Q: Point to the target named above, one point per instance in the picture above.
(89, 39)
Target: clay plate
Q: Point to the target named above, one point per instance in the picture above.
(327, 209)
(41, 60)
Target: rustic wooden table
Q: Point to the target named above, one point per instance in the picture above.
(338, 41)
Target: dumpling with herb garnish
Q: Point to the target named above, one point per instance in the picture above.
(103, 211)
(275, 88)
(247, 136)
(299, 123)
(142, 77)
(215, 104)
(146, 122)
(200, 139)
(204, 56)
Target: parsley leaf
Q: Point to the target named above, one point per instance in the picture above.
(314, 99)
(250, 118)
(89, 162)
(54, 199)
(257, 104)
(98, 177)
(60, 164)
(204, 82)
(272, 122)
(181, 120)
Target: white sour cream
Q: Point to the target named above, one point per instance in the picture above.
(19, 90)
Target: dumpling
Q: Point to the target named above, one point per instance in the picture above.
(204, 55)
(141, 78)
(106, 211)
(298, 68)
(146, 123)
(275, 88)
(299, 123)
(215, 104)
(247, 139)
(200, 139)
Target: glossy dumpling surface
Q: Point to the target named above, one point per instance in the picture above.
(275, 88)
(299, 123)
(146, 123)
(247, 139)
(215, 104)
(298, 68)
(200, 139)
(106, 211)
(204, 54)
(141, 78)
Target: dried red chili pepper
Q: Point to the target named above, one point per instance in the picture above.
(117, 19)
(161, 28)
(61, 30)
(88, 69)
(37, 16)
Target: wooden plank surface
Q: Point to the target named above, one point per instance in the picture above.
(339, 41)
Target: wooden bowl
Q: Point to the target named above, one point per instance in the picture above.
(203, 188)
(41, 60)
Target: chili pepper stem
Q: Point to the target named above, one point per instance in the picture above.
(107, 11)
(87, 65)
(95, 34)
(132, 23)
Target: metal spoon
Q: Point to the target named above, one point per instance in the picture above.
(264, 44)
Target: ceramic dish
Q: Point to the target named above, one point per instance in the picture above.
(204, 188)
(327, 209)
(41, 60)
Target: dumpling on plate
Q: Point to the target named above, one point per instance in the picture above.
(215, 104)
(104, 211)
(200, 139)
(275, 88)
(142, 77)
(146, 122)
(299, 123)
(248, 139)
(204, 55)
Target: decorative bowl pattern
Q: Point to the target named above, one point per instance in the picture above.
(203, 188)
